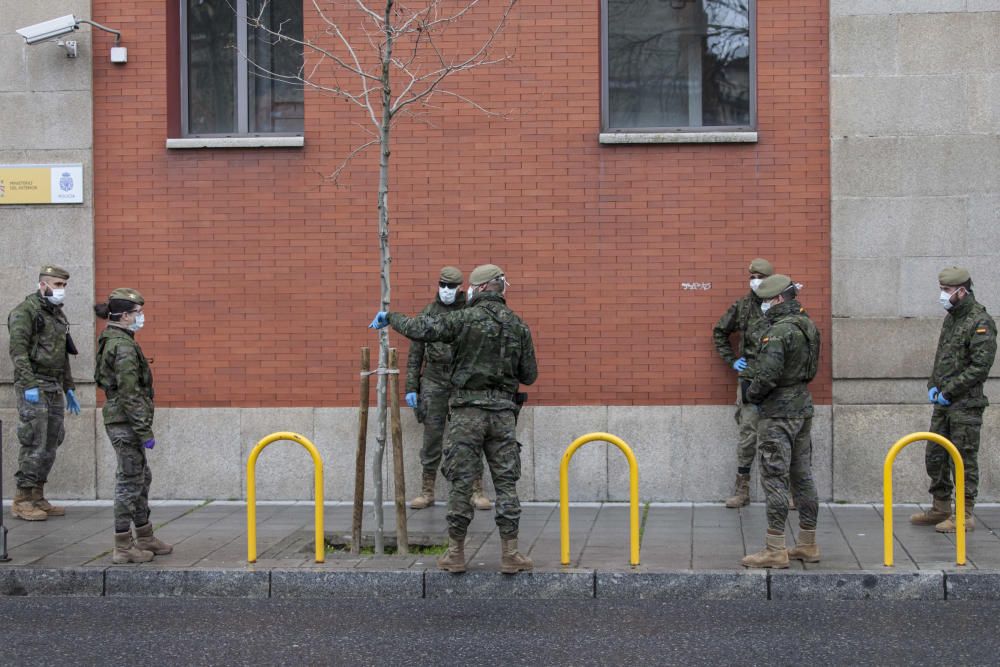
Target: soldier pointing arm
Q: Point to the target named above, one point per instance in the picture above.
(493, 355)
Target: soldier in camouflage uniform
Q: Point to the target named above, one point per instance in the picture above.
(745, 318)
(786, 363)
(492, 355)
(965, 353)
(123, 373)
(40, 346)
(428, 387)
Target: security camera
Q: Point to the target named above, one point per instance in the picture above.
(40, 32)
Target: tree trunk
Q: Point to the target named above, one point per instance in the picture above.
(385, 262)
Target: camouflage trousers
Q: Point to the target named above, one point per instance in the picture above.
(473, 433)
(434, 409)
(785, 447)
(40, 431)
(961, 426)
(132, 479)
(747, 417)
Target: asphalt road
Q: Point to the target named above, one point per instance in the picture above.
(102, 631)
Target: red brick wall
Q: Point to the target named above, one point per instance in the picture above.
(260, 277)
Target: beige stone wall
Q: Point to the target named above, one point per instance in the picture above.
(915, 152)
(46, 117)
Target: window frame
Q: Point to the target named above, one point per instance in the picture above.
(242, 102)
(700, 129)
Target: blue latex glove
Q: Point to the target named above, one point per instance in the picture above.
(411, 399)
(149, 444)
(31, 395)
(941, 400)
(932, 394)
(740, 364)
(72, 404)
(381, 320)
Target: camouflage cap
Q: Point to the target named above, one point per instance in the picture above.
(953, 275)
(127, 294)
(54, 271)
(772, 286)
(450, 274)
(761, 266)
(485, 273)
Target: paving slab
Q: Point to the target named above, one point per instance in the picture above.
(688, 551)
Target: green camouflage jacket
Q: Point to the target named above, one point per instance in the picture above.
(38, 335)
(965, 352)
(743, 317)
(778, 387)
(431, 360)
(492, 350)
(123, 373)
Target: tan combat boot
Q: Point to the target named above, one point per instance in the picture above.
(949, 525)
(773, 555)
(126, 551)
(513, 561)
(144, 539)
(939, 511)
(38, 493)
(741, 496)
(480, 501)
(806, 550)
(24, 506)
(454, 559)
(426, 497)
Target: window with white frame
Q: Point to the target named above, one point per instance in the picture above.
(238, 80)
(678, 65)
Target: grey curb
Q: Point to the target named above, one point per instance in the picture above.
(69, 581)
(315, 583)
(559, 584)
(683, 585)
(138, 581)
(861, 585)
(142, 581)
(972, 585)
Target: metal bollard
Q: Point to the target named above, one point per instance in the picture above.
(4, 558)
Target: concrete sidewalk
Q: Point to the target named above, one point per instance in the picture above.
(688, 550)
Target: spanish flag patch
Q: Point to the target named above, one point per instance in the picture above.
(980, 330)
(764, 340)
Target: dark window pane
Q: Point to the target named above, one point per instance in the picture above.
(678, 63)
(276, 103)
(211, 52)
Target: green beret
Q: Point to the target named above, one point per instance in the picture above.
(450, 274)
(485, 273)
(954, 275)
(54, 271)
(772, 286)
(127, 294)
(761, 266)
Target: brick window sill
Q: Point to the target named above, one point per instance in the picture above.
(236, 142)
(678, 137)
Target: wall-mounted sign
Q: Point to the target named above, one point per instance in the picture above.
(41, 184)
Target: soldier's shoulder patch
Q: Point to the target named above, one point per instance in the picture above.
(763, 341)
(981, 329)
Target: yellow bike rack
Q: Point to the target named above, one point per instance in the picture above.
(959, 492)
(252, 492)
(633, 473)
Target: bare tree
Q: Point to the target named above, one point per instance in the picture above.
(392, 60)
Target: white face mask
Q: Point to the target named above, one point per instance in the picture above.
(57, 297)
(755, 283)
(140, 320)
(447, 295)
(945, 300)
(765, 306)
